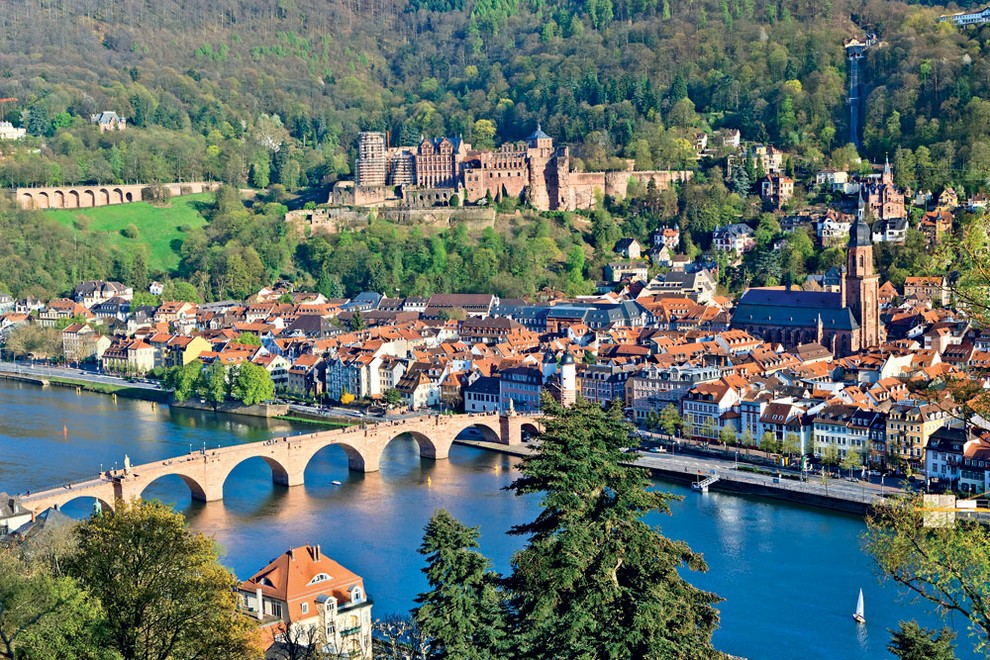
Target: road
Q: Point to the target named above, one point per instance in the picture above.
(43, 371)
(337, 411)
(858, 491)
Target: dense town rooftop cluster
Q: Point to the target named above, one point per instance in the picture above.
(653, 353)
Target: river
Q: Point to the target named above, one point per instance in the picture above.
(789, 575)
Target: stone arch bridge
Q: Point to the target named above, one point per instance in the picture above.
(206, 471)
(83, 197)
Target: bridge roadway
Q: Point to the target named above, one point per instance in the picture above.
(206, 471)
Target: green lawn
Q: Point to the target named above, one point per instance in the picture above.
(158, 227)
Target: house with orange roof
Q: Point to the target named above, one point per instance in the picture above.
(309, 596)
(305, 376)
(80, 342)
(927, 288)
(61, 309)
(130, 356)
(706, 408)
(887, 293)
(277, 366)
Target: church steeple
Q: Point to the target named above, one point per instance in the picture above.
(888, 175)
(860, 285)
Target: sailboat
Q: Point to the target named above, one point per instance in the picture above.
(859, 613)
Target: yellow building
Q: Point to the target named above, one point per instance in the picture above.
(182, 350)
(909, 426)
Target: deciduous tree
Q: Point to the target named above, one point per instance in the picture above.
(946, 564)
(162, 587)
(252, 384)
(670, 419)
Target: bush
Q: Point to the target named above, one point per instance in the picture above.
(130, 231)
(157, 195)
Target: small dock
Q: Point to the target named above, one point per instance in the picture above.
(702, 486)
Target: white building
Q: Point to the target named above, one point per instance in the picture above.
(305, 594)
(9, 132)
(967, 17)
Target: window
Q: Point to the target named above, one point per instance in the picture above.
(305, 608)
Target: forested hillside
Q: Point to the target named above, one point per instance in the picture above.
(275, 91)
(217, 89)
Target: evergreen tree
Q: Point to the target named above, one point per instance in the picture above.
(462, 614)
(912, 642)
(595, 581)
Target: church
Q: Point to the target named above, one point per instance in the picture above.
(845, 322)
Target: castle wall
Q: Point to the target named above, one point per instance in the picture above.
(617, 183)
(581, 189)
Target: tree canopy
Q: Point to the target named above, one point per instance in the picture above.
(594, 580)
(163, 590)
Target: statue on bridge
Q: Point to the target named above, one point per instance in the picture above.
(127, 464)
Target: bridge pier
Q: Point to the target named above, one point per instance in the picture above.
(359, 463)
(210, 492)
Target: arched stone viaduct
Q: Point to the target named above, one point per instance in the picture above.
(83, 197)
(288, 456)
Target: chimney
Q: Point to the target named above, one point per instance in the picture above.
(261, 604)
(316, 552)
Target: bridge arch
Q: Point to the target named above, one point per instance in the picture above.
(73, 199)
(427, 447)
(43, 201)
(129, 197)
(58, 200)
(357, 461)
(198, 491)
(117, 197)
(89, 198)
(530, 430)
(104, 197)
(280, 475)
(27, 200)
(83, 505)
(489, 431)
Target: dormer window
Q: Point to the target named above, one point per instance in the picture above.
(266, 582)
(357, 594)
(319, 577)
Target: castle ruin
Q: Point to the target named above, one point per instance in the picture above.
(440, 170)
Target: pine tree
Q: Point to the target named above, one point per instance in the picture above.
(912, 642)
(596, 581)
(462, 614)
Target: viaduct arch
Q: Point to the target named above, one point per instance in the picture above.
(205, 472)
(82, 197)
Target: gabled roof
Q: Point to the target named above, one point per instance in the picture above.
(302, 575)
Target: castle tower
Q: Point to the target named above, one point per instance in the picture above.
(888, 176)
(568, 380)
(861, 285)
(372, 160)
(539, 149)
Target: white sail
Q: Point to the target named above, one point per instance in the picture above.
(859, 606)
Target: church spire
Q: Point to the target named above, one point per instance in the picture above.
(888, 175)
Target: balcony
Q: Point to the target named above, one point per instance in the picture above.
(350, 631)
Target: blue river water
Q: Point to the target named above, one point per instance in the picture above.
(789, 575)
